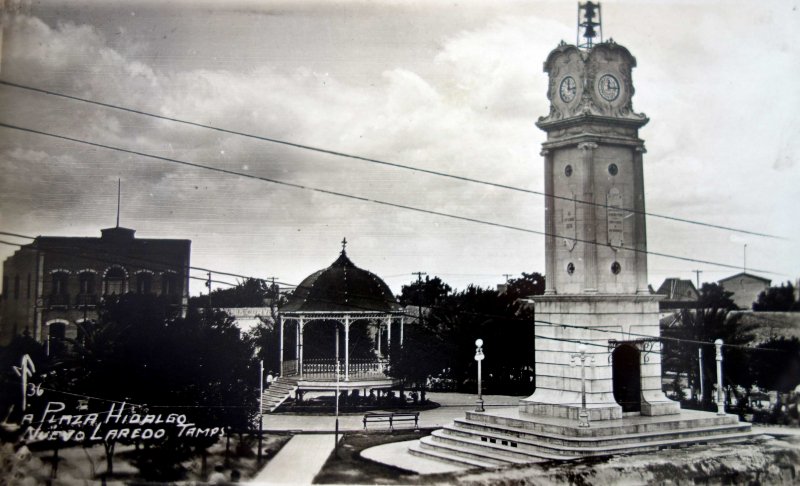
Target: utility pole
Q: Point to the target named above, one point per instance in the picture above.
(744, 259)
(208, 307)
(698, 272)
(507, 276)
(419, 293)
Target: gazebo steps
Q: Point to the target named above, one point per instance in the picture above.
(278, 391)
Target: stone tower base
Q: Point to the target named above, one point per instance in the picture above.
(619, 331)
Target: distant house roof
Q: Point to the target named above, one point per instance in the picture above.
(747, 275)
(678, 289)
(342, 287)
(680, 293)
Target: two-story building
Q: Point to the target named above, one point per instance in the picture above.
(55, 282)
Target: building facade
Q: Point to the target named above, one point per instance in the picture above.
(55, 283)
(745, 288)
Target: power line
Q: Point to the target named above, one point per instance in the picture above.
(361, 198)
(457, 311)
(381, 162)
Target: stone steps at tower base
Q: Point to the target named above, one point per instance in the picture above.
(491, 441)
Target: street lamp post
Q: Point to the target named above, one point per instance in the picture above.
(720, 396)
(260, 407)
(479, 357)
(583, 415)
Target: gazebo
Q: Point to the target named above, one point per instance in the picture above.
(339, 315)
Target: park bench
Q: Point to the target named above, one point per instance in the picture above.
(391, 417)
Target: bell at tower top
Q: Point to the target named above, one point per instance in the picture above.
(591, 28)
(590, 81)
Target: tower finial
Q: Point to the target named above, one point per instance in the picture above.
(119, 191)
(590, 10)
(344, 244)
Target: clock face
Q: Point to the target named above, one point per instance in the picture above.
(568, 89)
(608, 86)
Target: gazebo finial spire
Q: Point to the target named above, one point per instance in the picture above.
(344, 245)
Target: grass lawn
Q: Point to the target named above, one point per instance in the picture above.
(348, 467)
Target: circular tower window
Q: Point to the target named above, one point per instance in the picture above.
(616, 268)
(570, 268)
(568, 170)
(613, 169)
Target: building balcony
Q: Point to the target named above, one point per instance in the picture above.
(58, 301)
(86, 300)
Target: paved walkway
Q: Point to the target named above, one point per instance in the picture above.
(298, 461)
(453, 405)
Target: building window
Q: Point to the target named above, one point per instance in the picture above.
(144, 283)
(28, 290)
(115, 281)
(86, 280)
(5, 286)
(16, 287)
(616, 268)
(59, 290)
(59, 285)
(169, 284)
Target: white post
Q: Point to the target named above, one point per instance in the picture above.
(583, 414)
(700, 359)
(402, 324)
(720, 393)
(479, 358)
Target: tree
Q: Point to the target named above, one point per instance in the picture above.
(776, 364)
(777, 299)
(251, 292)
(139, 353)
(529, 284)
(700, 328)
(455, 320)
(429, 292)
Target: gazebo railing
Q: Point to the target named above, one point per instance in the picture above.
(325, 368)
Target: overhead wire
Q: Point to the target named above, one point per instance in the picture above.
(382, 162)
(406, 314)
(362, 198)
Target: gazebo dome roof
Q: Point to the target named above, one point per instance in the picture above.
(342, 287)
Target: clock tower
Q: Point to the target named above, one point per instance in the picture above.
(596, 245)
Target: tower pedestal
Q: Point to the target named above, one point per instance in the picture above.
(621, 334)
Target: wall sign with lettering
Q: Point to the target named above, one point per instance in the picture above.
(616, 218)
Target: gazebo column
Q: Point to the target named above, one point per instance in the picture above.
(388, 336)
(378, 337)
(346, 348)
(280, 356)
(301, 328)
(402, 324)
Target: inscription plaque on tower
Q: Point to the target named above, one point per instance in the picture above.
(568, 226)
(616, 218)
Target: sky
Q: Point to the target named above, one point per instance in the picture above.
(453, 87)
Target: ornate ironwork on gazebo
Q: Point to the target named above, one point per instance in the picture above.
(340, 313)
